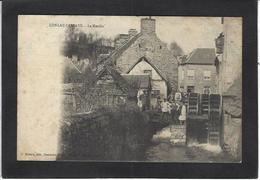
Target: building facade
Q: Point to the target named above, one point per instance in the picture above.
(158, 82)
(229, 52)
(197, 72)
(146, 45)
(229, 56)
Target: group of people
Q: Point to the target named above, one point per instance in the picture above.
(173, 110)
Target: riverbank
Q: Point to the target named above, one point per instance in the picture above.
(113, 134)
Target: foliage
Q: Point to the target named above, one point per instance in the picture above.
(84, 45)
(110, 134)
(176, 49)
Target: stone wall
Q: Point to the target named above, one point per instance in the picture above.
(233, 136)
(231, 59)
(153, 48)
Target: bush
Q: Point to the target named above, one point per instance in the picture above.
(120, 133)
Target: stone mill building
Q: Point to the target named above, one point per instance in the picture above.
(144, 53)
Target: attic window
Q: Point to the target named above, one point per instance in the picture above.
(149, 72)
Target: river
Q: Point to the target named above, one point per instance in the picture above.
(163, 150)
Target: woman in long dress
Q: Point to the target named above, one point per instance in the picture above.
(182, 117)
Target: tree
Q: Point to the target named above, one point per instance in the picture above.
(85, 45)
(176, 49)
(70, 42)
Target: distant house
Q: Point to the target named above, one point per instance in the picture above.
(134, 49)
(143, 66)
(197, 72)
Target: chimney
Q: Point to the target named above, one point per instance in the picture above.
(120, 40)
(132, 32)
(147, 25)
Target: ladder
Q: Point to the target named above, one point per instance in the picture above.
(215, 105)
(205, 104)
(193, 103)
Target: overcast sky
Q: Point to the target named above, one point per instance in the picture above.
(188, 32)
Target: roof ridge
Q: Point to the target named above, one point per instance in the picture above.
(120, 49)
(130, 41)
(190, 55)
(149, 62)
(200, 53)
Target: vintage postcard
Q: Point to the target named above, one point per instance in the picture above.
(129, 88)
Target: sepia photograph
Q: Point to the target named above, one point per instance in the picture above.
(129, 88)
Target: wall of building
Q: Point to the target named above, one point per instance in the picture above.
(150, 46)
(233, 136)
(198, 82)
(160, 85)
(231, 60)
(157, 81)
(143, 65)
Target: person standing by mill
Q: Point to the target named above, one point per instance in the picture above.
(182, 117)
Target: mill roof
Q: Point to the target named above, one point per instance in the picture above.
(201, 56)
(138, 81)
(116, 53)
(119, 80)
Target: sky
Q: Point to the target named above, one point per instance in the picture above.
(188, 32)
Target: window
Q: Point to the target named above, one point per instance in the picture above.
(148, 72)
(207, 75)
(190, 74)
(190, 89)
(206, 90)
